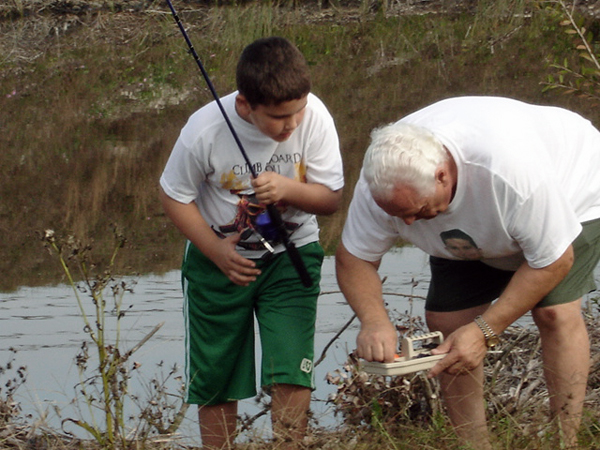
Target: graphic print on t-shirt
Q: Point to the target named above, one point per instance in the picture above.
(252, 217)
(461, 245)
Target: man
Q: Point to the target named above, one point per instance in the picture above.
(522, 182)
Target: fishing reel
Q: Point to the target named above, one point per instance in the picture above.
(266, 227)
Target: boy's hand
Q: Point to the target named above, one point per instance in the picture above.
(238, 269)
(270, 187)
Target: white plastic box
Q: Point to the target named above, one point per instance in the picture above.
(415, 356)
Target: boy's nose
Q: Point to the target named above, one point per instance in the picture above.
(291, 123)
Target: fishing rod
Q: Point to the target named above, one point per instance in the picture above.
(274, 215)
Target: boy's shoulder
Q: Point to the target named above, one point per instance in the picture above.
(315, 102)
(317, 107)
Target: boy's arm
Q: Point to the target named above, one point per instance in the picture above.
(189, 221)
(314, 198)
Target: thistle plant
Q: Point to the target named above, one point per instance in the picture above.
(12, 378)
(107, 388)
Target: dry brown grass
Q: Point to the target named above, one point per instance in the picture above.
(401, 412)
(93, 99)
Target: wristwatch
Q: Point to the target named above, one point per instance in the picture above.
(491, 338)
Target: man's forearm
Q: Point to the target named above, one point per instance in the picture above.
(526, 288)
(360, 283)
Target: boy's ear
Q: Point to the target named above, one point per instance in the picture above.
(242, 106)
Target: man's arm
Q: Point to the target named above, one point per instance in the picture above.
(466, 346)
(312, 198)
(360, 283)
(189, 221)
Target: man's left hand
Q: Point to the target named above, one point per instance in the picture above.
(465, 348)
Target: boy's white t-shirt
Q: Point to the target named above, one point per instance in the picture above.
(206, 166)
(528, 176)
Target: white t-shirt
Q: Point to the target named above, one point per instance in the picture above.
(206, 166)
(528, 176)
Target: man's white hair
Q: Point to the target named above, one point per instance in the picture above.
(401, 153)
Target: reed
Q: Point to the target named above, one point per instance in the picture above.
(104, 378)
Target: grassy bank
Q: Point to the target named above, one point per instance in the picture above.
(93, 95)
(93, 98)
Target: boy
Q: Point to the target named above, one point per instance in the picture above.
(234, 268)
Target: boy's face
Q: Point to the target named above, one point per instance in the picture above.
(275, 121)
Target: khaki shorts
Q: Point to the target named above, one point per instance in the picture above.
(219, 319)
(458, 285)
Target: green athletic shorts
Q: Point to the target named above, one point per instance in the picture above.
(219, 321)
(458, 285)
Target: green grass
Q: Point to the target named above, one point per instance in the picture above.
(93, 101)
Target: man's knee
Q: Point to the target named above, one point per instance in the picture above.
(566, 317)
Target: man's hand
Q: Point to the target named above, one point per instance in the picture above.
(466, 349)
(238, 269)
(377, 341)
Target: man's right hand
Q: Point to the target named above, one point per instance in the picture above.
(377, 341)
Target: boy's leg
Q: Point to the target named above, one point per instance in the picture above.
(463, 394)
(220, 367)
(286, 313)
(289, 414)
(218, 425)
(566, 356)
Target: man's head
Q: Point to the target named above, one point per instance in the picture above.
(409, 172)
(402, 153)
(271, 71)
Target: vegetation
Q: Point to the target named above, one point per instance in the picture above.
(94, 93)
(584, 78)
(104, 387)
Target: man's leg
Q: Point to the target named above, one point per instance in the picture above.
(566, 356)
(218, 425)
(463, 394)
(289, 414)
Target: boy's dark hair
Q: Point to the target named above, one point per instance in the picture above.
(271, 71)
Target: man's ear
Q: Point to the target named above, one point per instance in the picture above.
(442, 175)
(242, 106)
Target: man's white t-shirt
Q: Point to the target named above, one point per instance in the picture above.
(206, 166)
(528, 176)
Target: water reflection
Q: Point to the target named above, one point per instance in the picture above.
(44, 326)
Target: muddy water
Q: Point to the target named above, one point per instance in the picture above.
(45, 328)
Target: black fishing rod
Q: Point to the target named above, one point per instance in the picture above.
(274, 215)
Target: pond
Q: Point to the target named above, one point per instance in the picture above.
(44, 326)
